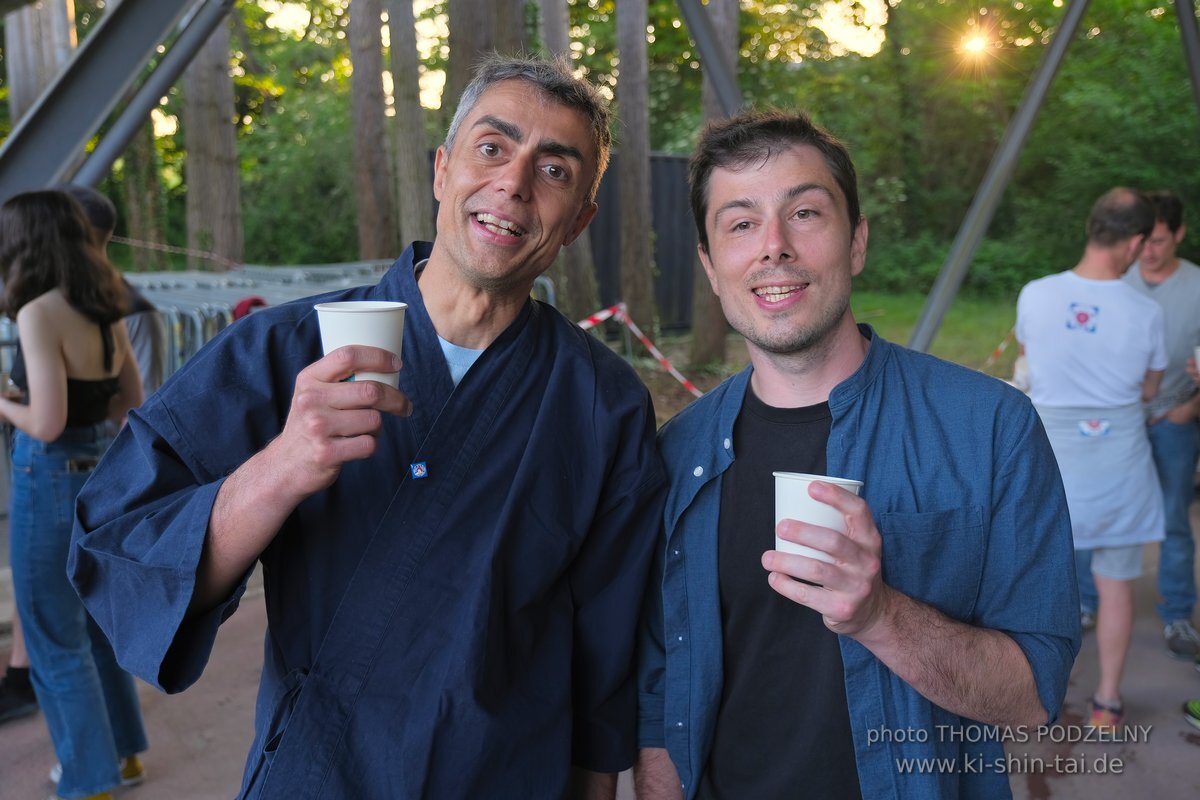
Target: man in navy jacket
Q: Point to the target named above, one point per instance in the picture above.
(453, 568)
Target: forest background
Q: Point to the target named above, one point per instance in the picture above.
(275, 149)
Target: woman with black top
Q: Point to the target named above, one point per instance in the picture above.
(75, 368)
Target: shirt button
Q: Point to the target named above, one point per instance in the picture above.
(676, 552)
(698, 471)
(678, 724)
(727, 443)
(681, 638)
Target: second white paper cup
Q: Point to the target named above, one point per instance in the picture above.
(376, 323)
(793, 502)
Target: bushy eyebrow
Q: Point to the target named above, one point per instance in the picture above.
(511, 131)
(791, 194)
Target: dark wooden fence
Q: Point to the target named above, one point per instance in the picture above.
(674, 240)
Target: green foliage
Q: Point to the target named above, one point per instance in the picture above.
(922, 120)
(292, 94)
(297, 189)
(774, 38)
(971, 331)
(906, 264)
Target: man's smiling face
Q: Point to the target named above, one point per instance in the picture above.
(781, 249)
(514, 188)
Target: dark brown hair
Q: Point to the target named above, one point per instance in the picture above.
(46, 243)
(1168, 208)
(757, 136)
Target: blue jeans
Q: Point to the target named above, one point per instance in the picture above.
(90, 704)
(1175, 449)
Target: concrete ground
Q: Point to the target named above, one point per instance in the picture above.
(199, 739)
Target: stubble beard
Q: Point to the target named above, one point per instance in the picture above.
(807, 339)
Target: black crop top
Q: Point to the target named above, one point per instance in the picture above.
(87, 401)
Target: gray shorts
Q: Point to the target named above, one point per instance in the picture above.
(1123, 563)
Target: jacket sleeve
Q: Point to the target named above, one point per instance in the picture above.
(139, 530)
(1029, 589)
(608, 579)
(652, 659)
(141, 519)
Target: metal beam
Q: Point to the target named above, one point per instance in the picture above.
(196, 31)
(716, 69)
(44, 145)
(999, 172)
(1185, 10)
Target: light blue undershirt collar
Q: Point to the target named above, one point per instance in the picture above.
(458, 359)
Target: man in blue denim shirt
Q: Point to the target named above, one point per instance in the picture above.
(947, 621)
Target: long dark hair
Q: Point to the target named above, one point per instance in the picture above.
(47, 243)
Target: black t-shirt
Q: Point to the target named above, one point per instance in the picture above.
(783, 729)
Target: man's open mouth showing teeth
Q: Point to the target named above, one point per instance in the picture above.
(499, 226)
(774, 294)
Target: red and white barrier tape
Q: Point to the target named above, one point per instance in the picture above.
(599, 316)
(621, 314)
(1000, 348)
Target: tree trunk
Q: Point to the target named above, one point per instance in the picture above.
(144, 202)
(510, 38)
(555, 27)
(477, 27)
(38, 42)
(574, 270)
(414, 184)
(906, 154)
(633, 166)
(709, 327)
(372, 175)
(141, 187)
(214, 211)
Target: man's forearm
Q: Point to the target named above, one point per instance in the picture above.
(973, 672)
(655, 777)
(248, 512)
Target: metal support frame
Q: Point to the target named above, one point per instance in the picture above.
(722, 74)
(44, 145)
(999, 172)
(1185, 10)
(196, 30)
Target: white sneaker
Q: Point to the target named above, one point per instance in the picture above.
(1182, 639)
(130, 768)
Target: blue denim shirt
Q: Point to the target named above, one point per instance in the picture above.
(967, 497)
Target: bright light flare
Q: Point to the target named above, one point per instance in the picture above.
(975, 44)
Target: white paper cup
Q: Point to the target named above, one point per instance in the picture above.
(376, 323)
(793, 502)
(1196, 355)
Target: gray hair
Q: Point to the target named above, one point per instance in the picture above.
(553, 79)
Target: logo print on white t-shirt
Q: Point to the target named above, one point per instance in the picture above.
(1082, 317)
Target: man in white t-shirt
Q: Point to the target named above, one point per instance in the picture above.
(1096, 350)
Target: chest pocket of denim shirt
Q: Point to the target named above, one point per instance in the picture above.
(935, 557)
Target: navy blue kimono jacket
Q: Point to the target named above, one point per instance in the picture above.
(465, 633)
